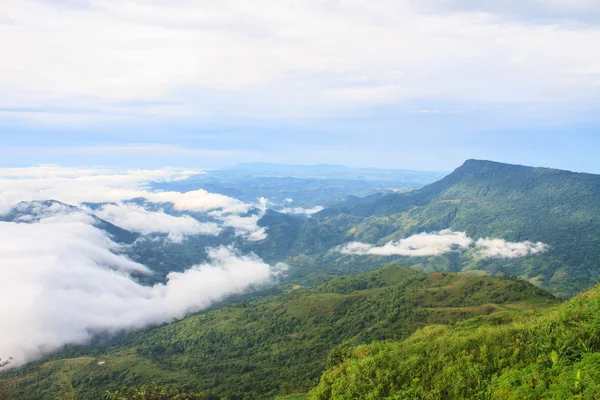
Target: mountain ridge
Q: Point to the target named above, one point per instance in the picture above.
(484, 199)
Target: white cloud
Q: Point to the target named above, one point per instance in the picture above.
(63, 280)
(198, 200)
(136, 218)
(302, 210)
(499, 248)
(423, 244)
(117, 177)
(438, 243)
(136, 58)
(368, 94)
(76, 186)
(246, 226)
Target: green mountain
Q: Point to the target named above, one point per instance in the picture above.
(555, 355)
(278, 345)
(482, 198)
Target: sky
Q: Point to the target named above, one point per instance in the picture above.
(205, 84)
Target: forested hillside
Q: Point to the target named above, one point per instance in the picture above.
(552, 356)
(278, 345)
(482, 198)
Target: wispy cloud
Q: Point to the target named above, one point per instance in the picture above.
(443, 242)
(499, 248)
(302, 210)
(96, 185)
(138, 219)
(423, 244)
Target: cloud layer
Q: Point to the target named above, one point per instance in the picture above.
(446, 241)
(64, 280)
(138, 219)
(136, 58)
(88, 185)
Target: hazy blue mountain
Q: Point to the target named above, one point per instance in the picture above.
(336, 171)
(33, 211)
(306, 185)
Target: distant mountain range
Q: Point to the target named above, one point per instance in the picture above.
(336, 171)
(302, 185)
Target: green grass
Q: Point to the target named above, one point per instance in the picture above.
(552, 355)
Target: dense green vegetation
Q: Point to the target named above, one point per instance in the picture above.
(153, 392)
(481, 198)
(279, 345)
(551, 356)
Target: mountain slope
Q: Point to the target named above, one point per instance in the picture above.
(482, 198)
(552, 356)
(33, 211)
(279, 345)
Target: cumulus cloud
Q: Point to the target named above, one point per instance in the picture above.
(64, 280)
(423, 244)
(301, 210)
(499, 248)
(137, 219)
(445, 241)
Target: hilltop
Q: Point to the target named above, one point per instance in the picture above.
(554, 355)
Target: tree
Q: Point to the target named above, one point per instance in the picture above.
(8, 388)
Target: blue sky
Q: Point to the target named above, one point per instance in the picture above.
(400, 84)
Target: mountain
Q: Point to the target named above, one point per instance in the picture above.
(482, 198)
(337, 171)
(279, 345)
(555, 355)
(33, 211)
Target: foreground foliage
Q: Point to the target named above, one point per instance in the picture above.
(553, 356)
(153, 392)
